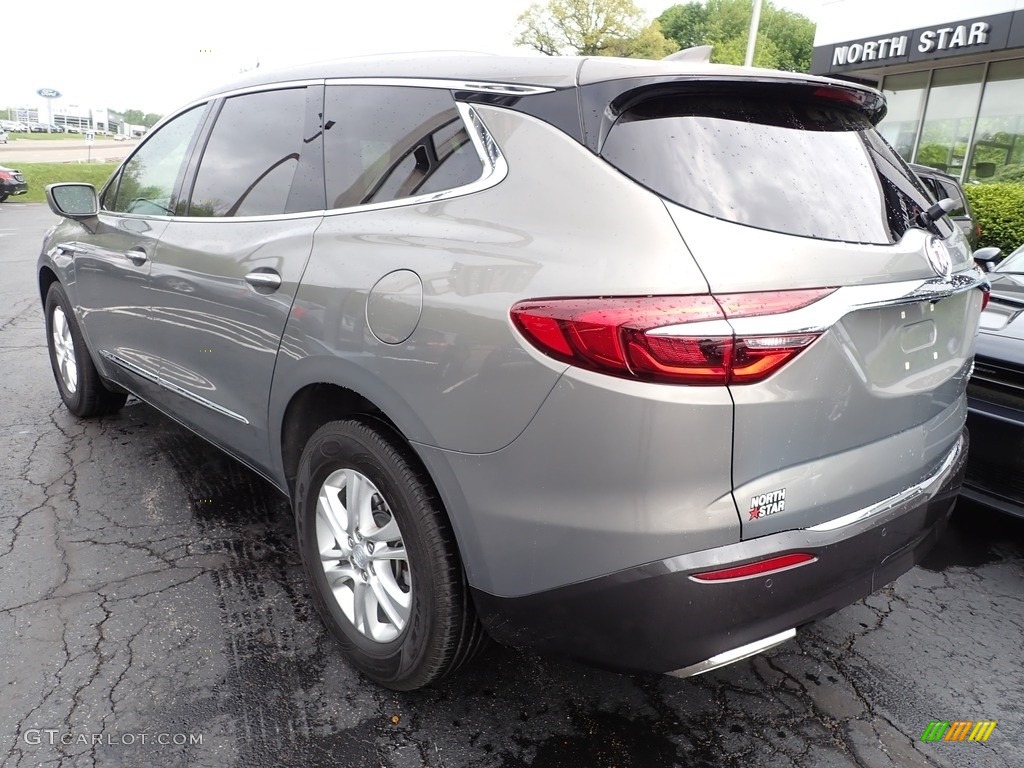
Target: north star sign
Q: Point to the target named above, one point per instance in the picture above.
(956, 38)
(928, 40)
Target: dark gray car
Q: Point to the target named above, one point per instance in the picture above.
(649, 363)
(941, 186)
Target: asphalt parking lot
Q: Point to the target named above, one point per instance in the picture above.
(153, 612)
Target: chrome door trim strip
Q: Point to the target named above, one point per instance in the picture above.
(129, 366)
(925, 489)
(142, 373)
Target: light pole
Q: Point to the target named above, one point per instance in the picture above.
(755, 21)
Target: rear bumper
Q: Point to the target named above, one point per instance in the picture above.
(657, 618)
(995, 470)
(14, 188)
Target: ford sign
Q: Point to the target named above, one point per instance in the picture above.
(48, 93)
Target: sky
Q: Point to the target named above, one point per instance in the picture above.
(133, 56)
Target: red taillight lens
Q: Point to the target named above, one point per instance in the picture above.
(4, 176)
(986, 294)
(758, 568)
(645, 337)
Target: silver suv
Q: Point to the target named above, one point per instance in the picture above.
(648, 363)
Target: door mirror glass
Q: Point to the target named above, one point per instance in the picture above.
(74, 201)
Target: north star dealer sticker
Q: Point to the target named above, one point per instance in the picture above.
(767, 503)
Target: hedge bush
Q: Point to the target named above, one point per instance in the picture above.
(999, 210)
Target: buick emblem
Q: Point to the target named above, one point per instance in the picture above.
(939, 257)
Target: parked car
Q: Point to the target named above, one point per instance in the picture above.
(11, 183)
(941, 185)
(623, 359)
(3, 136)
(995, 395)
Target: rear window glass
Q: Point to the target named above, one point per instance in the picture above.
(801, 167)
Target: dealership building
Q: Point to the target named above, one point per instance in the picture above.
(952, 73)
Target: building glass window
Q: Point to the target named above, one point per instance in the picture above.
(905, 97)
(998, 151)
(949, 118)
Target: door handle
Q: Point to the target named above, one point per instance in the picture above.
(267, 280)
(136, 256)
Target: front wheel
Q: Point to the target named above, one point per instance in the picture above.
(78, 381)
(380, 557)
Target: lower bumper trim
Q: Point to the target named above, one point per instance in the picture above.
(736, 654)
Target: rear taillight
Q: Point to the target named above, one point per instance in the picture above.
(645, 337)
(986, 294)
(4, 176)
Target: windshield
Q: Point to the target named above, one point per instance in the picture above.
(800, 166)
(1013, 263)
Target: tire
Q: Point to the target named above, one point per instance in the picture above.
(78, 381)
(3, 197)
(424, 626)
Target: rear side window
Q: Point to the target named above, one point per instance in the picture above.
(251, 160)
(792, 165)
(385, 143)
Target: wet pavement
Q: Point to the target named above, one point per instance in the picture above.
(153, 613)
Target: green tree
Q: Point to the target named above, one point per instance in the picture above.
(784, 39)
(591, 28)
(151, 119)
(133, 116)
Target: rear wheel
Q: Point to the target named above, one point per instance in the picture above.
(380, 557)
(78, 381)
(3, 197)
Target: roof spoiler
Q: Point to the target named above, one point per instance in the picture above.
(700, 54)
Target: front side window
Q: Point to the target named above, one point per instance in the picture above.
(251, 159)
(385, 143)
(147, 182)
(792, 163)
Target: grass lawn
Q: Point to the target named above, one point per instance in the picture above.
(38, 175)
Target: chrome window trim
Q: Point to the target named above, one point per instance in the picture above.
(923, 490)
(826, 312)
(278, 86)
(495, 169)
(263, 217)
(503, 89)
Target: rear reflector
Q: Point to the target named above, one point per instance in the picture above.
(621, 337)
(757, 568)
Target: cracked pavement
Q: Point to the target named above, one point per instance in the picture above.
(150, 586)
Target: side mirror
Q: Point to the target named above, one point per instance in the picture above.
(73, 201)
(987, 258)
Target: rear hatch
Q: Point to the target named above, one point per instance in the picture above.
(781, 185)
